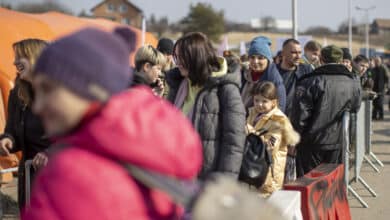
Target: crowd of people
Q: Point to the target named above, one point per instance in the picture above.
(80, 111)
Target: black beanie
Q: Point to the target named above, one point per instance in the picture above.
(346, 54)
(165, 46)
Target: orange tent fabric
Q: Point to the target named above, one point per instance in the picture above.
(48, 26)
(16, 26)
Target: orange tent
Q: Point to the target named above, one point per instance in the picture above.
(48, 26)
(16, 26)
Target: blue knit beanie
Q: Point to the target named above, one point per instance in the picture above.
(261, 46)
(91, 63)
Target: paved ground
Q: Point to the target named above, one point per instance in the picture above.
(380, 182)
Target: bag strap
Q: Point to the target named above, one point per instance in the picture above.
(178, 190)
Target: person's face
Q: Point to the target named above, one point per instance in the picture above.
(262, 104)
(169, 58)
(292, 54)
(152, 72)
(258, 63)
(347, 63)
(59, 109)
(278, 59)
(179, 63)
(313, 56)
(362, 67)
(23, 68)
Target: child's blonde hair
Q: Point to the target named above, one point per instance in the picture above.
(148, 54)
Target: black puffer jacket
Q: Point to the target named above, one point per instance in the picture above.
(219, 118)
(321, 98)
(379, 75)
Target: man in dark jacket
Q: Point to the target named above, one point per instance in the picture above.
(379, 73)
(321, 99)
(360, 67)
(291, 70)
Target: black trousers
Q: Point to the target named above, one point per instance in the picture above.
(377, 111)
(307, 159)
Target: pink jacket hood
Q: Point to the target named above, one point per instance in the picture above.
(141, 129)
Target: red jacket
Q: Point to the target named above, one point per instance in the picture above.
(84, 180)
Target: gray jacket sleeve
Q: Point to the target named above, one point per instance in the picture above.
(232, 138)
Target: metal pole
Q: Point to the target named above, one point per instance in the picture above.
(143, 30)
(350, 26)
(295, 18)
(366, 10)
(367, 36)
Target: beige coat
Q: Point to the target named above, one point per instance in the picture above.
(280, 135)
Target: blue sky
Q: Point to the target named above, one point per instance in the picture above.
(328, 13)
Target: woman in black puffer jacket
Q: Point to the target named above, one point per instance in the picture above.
(202, 89)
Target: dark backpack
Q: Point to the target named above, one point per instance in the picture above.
(256, 161)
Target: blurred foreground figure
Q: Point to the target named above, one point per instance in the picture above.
(225, 199)
(80, 82)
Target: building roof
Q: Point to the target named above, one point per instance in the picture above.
(383, 23)
(127, 2)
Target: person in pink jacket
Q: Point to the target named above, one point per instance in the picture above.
(80, 93)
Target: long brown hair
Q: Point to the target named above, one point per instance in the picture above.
(197, 55)
(29, 49)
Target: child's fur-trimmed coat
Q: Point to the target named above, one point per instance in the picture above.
(279, 137)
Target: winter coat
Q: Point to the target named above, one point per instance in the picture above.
(139, 79)
(290, 83)
(85, 178)
(321, 99)
(381, 80)
(219, 117)
(24, 128)
(271, 74)
(283, 135)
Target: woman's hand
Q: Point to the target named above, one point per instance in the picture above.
(40, 160)
(6, 145)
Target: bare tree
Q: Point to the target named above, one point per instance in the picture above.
(343, 27)
(268, 23)
(42, 7)
(319, 30)
(5, 5)
(159, 26)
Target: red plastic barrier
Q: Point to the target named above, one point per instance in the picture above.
(323, 193)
